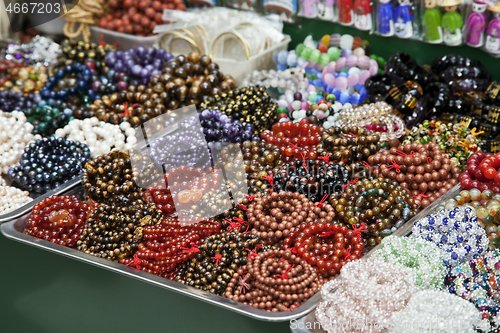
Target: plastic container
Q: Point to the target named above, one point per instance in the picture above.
(122, 41)
(264, 60)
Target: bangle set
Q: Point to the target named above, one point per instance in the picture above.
(364, 295)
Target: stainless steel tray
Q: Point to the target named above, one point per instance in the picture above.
(70, 184)
(14, 230)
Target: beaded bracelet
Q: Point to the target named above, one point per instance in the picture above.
(348, 145)
(58, 219)
(317, 110)
(330, 49)
(187, 146)
(435, 311)
(219, 127)
(270, 217)
(11, 198)
(456, 232)
(458, 142)
(325, 245)
(313, 178)
(11, 100)
(47, 163)
(83, 82)
(117, 242)
(170, 244)
(364, 295)
(367, 68)
(290, 79)
(379, 112)
(477, 281)
(485, 204)
(15, 134)
(39, 51)
(219, 258)
(354, 95)
(481, 172)
(250, 104)
(277, 280)
(25, 80)
(418, 168)
(373, 208)
(99, 136)
(423, 258)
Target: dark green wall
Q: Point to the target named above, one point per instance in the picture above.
(385, 46)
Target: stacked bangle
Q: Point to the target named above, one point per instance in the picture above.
(423, 258)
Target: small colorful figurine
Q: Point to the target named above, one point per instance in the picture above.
(432, 22)
(325, 10)
(363, 14)
(476, 24)
(309, 8)
(403, 20)
(385, 18)
(493, 31)
(345, 11)
(452, 22)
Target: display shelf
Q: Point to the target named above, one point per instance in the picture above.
(423, 52)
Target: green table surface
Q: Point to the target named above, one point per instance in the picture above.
(43, 292)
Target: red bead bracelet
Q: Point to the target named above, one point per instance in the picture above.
(482, 172)
(296, 140)
(58, 219)
(326, 246)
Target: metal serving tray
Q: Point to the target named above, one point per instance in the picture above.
(14, 230)
(70, 184)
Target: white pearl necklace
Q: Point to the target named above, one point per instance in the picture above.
(99, 136)
(15, 134)
(12, 198)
